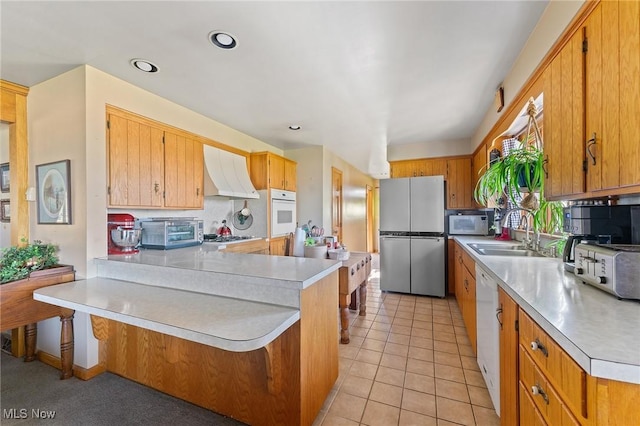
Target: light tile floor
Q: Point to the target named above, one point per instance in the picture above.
(409, 362)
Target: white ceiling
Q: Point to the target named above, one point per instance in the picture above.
(357, 76)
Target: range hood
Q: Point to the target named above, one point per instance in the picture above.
(226, 174)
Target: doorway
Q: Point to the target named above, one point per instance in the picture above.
(336, 203)
(370, 224)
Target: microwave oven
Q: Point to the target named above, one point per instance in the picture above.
(468, 225)
(171, 233)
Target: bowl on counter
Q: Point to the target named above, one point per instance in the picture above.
(126, 238)
(317, 251)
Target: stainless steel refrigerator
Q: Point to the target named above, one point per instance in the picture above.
(412, 239)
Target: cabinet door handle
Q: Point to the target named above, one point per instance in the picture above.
(590, 144)
(156, 187)
(197, 192)
(537, 390)
(499, 316)
(466, 284)
(537, 345)
(545, 165)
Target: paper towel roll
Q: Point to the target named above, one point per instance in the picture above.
(298, 242)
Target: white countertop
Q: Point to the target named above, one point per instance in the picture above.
(600, 332)
(288, 271)
(237, 302)
(230, 324)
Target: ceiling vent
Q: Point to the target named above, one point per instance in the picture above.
(226, 174)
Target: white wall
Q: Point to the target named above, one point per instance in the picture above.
(555, 18)
(67, 120)
(57, 131)
(310, 186)
(314, 193)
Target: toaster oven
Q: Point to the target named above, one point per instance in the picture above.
(169, 233)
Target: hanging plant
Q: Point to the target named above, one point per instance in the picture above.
(519, 176)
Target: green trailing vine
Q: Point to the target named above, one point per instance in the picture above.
(17, 262)
(522, 171)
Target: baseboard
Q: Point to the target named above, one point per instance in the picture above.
(79, 372)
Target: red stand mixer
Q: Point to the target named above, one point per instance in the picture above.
(122, 237)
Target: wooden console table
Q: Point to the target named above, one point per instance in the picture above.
(353, 276)
(17, 309)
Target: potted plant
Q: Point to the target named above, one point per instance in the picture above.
(520, 176)
(521, 171)
(18, 262)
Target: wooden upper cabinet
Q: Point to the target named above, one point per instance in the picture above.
(136, 163)
(269, 170)
(404, 168)
(290, 178)
(613, 95)
(459, 194)
(564, 147)
(456, 171)
(276, 172)
(184, 171)
(438, 167)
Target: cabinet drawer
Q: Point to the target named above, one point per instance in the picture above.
(529, 414)
(542, 393)
(565, 375)
(469, 263)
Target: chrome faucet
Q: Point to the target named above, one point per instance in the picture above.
(527, 240)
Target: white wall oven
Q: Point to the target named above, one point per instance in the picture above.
(283, 212)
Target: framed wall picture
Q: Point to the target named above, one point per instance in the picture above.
(5, 211)
(4, 177)
(54, 192)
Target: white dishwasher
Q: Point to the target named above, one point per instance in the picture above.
(488, 333)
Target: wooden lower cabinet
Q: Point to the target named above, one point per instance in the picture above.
(553, 389)
(465, 291)
(277, 246)
(469, 311)
(284, 383)
(249, 247)
(508, 315)
(529, 414)
(543, 394)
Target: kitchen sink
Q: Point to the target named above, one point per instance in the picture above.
(509, 252)
(498, 246)
(513, 250)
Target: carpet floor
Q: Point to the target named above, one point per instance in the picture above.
(33, 389)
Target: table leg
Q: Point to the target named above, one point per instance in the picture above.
(30, 336)
(344, 319)
(66, 345)
(354, 301)
(363, 298)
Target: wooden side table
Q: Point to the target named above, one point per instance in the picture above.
(17, 308)
(353, 276)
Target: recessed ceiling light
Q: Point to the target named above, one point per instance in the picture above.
(222, 39)
(144, 65)
(294, 127)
